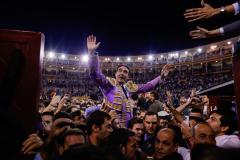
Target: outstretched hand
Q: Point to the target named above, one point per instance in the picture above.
(92, 44)
(206, 12)
(200, 33)
(166, 69)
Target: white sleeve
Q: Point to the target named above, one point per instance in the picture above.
(221, 31)
(236, 7)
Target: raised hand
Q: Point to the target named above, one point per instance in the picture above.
(55, 100)
(32, 144)
(206, 12)
(193, 93)
(169, 98)
(166, 69)
(92, 44)
(61, 103)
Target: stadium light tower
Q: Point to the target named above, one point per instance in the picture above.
(213, 47)
(199, 50)
(51, 55)
(150, 57)
(85, 58)
(63, 56)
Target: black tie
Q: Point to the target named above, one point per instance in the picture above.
(125, 92)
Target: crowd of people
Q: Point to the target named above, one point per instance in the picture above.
(109, 118)
(72, 128)
(178, 82)
(122, 120)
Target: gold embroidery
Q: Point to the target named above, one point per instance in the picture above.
(113, 106)
(131, 87)
(112, 81)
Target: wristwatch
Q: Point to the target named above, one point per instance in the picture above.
(222, 10)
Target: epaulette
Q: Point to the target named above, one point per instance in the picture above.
(112, 81)
(131, 87)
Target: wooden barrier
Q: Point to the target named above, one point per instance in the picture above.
(21, 55)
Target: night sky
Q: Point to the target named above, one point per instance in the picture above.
(123, 27)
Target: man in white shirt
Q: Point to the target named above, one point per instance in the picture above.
(222, 124)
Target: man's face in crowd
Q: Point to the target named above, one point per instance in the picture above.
(163, 121)
(71, 140)
(148, 96)
(214, 122)
(122, 74)
(47, 121)
(141, 115)
(164, 144)
(150, 123)
(79, 120)
(116, 123)
(152, 98)
(182, 100)
(105, 129)
(138, 130)
(205, 99)
(203, 135)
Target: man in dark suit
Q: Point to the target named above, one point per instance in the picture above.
(207, 12)
(224, 30)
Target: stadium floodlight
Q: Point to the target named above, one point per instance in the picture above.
(161, 56)
(128, 59)
(51, 55)
(85, 58)
(199, 50)
(75, 57)
(63, 56)
(213, 47)
(150, 57)
(186, 52)
(117, 58)
(139, 58)
(229, 42)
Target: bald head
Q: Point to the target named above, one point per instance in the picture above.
(203, 134)
(169, 132)
(165, 143)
